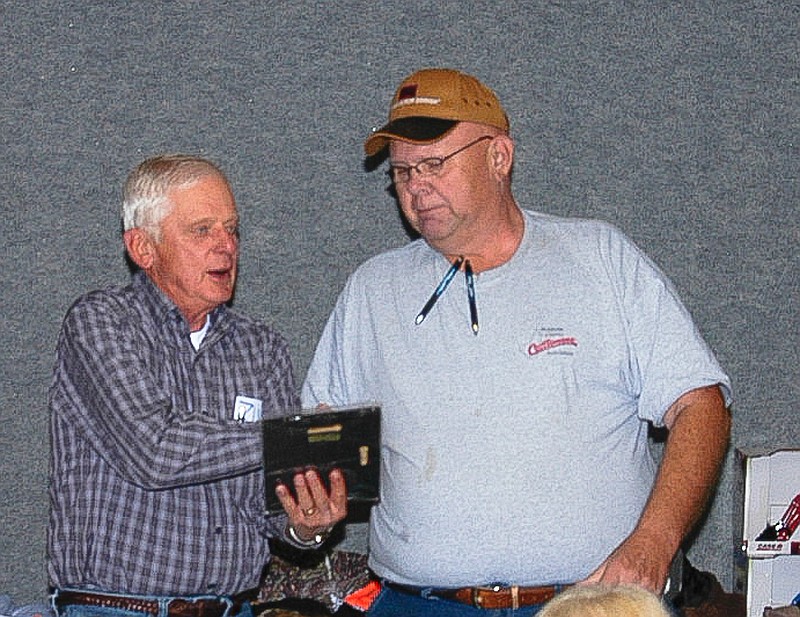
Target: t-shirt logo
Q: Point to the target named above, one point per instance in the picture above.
(552, 340)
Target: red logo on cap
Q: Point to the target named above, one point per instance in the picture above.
(407, 92)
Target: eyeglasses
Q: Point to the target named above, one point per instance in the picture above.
(429, 167)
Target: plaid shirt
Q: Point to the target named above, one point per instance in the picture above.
(155, 488)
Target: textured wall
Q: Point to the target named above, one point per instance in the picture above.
(676, 121)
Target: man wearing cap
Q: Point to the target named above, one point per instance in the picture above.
(519, 359)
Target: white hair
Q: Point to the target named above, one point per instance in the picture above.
(144, 197)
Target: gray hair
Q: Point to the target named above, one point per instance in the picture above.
(144, 197)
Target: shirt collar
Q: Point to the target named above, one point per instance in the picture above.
(162, 306)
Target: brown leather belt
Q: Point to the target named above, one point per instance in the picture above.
(177, 607)
(491, 598)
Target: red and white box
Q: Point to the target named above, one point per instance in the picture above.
(767, 564)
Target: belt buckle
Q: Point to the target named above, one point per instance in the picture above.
(493, 588)
(503, 591)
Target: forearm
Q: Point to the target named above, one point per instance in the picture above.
(699, 430)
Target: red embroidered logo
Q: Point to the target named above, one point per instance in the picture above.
(551, 343)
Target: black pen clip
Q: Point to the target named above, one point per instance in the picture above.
(440, 288)
(473, 305)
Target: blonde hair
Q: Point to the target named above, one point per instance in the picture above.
(604, 601)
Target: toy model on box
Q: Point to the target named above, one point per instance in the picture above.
(784, 528)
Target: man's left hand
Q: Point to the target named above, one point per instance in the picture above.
(639, 561)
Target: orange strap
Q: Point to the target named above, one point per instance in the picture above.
(363, 598)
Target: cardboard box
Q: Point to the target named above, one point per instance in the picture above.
(772, 582)
(767, 551)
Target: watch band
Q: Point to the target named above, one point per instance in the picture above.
(318, 538)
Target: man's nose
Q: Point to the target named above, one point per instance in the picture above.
(225, 240)
(416, 182)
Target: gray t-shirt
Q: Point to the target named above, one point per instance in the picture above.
(519, 455)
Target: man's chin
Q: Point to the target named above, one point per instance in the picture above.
(221, 293)
(440, 240)
(433, 231)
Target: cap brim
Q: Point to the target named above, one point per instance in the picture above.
(414, 129)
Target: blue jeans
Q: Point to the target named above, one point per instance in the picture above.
(391, 603)
(81, 610)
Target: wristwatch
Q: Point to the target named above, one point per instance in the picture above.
(318, 538)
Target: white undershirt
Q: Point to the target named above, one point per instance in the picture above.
(198, 336)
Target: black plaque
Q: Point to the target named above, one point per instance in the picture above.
(333, 438)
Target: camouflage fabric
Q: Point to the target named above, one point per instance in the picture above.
(326, 577)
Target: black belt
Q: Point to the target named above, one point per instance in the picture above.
(489, 597)
(176, 607)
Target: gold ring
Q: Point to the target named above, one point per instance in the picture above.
(309, 511)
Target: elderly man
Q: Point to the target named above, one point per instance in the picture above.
(157, 492)
(519, 359)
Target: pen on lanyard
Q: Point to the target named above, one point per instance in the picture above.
(439, 290)
(473, 307)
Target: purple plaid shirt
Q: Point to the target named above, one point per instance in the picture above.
(155, 488)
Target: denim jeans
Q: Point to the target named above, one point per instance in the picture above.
(391, 603)
(81, 610)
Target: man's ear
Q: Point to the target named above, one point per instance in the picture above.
(140, 247)
(501, 155)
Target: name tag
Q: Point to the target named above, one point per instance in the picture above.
(247, 409)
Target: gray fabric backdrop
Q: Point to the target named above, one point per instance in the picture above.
(678, 121)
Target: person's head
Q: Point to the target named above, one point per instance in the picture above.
(450, 158)
(181, 227)
(604, 601)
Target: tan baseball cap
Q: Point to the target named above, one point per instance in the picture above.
(430, 102)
